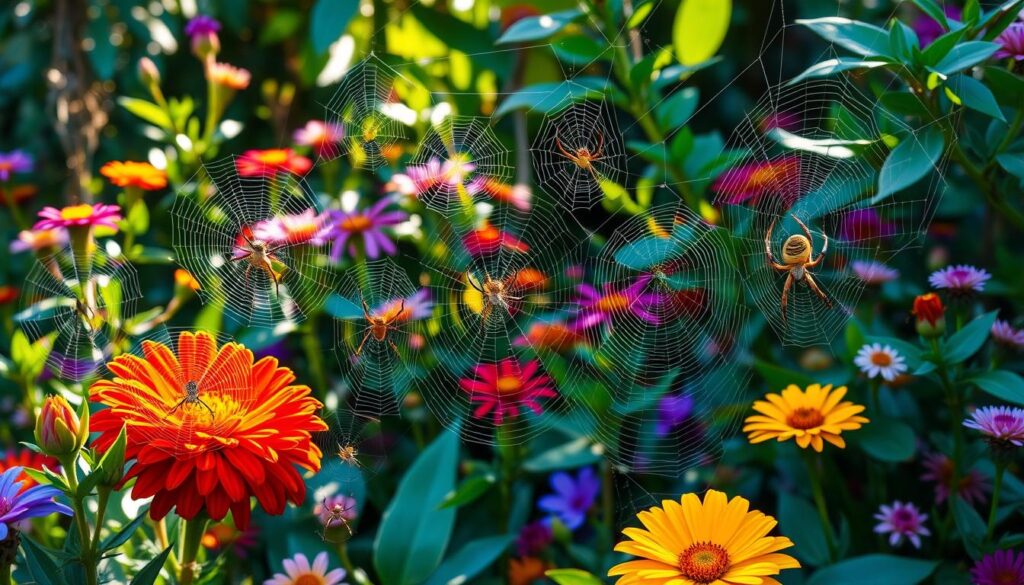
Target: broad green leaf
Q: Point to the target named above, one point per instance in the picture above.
(329, 20)
(970, 526)
(965, 55)
(676, 109)
(124, 535)
(148, 111)
(700, 28)
(964, 343)
(800, 521)
(572, 577)
(913, 158)
(933, 10)
(151, 572)
(1002, 384)
(886, 439)
(579, 49)
(470, 560)
(536, 28)
(469, 490)
(413, 532)
(640, 14)
(40, 564)
(575, 453)
(998, 20)
(860, 37)
(833, 66)
(903, 41)
(975, 95)
(941, 46)
(878, 568)
(544, 98)
(1012, 163)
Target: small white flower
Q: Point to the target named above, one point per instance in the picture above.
(876, 360)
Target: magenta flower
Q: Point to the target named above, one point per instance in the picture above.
(598, 307)
(1003, 424)
(323, 137)
(1005, 334)
(336, 510)
(424, 178)
(503, 389)
(202, 25)
(367, 224)
(939, 469)
(14, 162)
(533, 539)
(307, 227)
(928, 30)
(573, 498)
(417, 306)
(1003, 567)
(901, 521)
(1012, 41)
(79, 216)
(873, 272)
(961, 279)
(753, 181)
(865, 224)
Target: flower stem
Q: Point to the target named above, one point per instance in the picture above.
(101, 511)
(819, 501)
(80, 519)
(5, 574)
(194, 530)
(997, 486)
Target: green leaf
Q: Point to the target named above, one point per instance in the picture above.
(887, 439)
(1012, 163)
(833, 66)
(469, 490)
(860, 37)
(933, 10)
(941, 46)
(913, 158)
(964, 343)
(149, 574)
(40, 564)
(536, 28)
(970, 526)
(329, 20)
(1002, 384)
(148, 111)
(998, 20)
(476, 556)
(676, 109)
(414, 533)
(124, 535)
(572, 577)
(800, 521)
(903, 41)
(544, 98)
(778, 377)
(645, 253)
(640, 14)
(579, 49)
(975, 95)
(965, 55)
(876, 568)
(576, 453)
(700, 28)
(109, 469)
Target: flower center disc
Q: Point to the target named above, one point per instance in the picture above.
(613, 303)
(881, 359)
(82, 211)
(308, 579)
(356, 223)
(704, 562)
(805, 418)
(508, 385)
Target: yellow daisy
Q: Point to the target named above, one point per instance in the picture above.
(811, 417)
(689, 542)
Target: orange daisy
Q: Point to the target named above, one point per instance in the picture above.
(184, 279)
(811, 417)
(134, 174)
(209, 428)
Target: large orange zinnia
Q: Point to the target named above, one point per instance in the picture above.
(242, 435)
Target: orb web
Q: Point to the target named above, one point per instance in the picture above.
(457, 161)
(808, 151)
(356, 443)
(578, 146)
(360, 107)
(256, 244)
(662, 313)
(496, 281)
(379, 359)
(81, 311)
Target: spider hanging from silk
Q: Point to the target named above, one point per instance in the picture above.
(581, 156)
(380, 326)
(495, 293)
(88, 316)
(332, 515)
(260, 255)
(191, 397)
(797, 254)
(349, 454)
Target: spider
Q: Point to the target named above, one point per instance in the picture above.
(379, 326)
(797, 252)
(191, 397)
(333, 515)
(258, 254)
(495, 292)
(88, 316)
(348, 454)
(582, 157)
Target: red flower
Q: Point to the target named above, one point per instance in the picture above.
(928, 307)
(489, 239)
(268, 163)
(502, 389)
(29, 459)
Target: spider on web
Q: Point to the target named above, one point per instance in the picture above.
(380, 326)
(260, 255)
(495, 293)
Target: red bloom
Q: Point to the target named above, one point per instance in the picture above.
(268, 163)
(489, 239)
(928, 307)
(502, 389)
(28, 459)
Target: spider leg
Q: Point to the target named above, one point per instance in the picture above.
(600, 146)
(359, 350)
(486, 313)
(394, 347)
(205, 405)
(401, 309)
(469, 277)
(237, 258)
(366, 310)
(817, 290)
(785, 297)
(807, 231)
(558, 142)
(176, 406)
(821, 255)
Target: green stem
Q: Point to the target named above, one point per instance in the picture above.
(81, 520)
(997, 486)
(12, 205)
(101, 511)
(194, 530)
(819, 501)
(353, 573)
(5, 574)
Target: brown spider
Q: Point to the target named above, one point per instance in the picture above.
(332, 515)
(495, 292)
(797, 252)
(191, 397)
(88, 316)
(380, 326)
(348, 454)
(258, 254)
(582, 157)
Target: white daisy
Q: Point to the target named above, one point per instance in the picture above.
(300, 572)
(876, 360)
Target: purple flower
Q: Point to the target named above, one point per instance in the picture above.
(1005, 334)
(369, 225)
(15, 161)
(1003, 567)
(865, 224)
(17, 505)
(962, 279)
(939, 469)
(307, 227)
(901, 521)
(572, 498)
(533, 539)
(1004, 424)
(202, 25)
(1012, 41)
(673, 410)
(874, 272)
(597, 307)
(417, 306)
(928, 30)
(335, 511)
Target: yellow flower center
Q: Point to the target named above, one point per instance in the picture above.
(704, 562)
(613, 303)
(508, 385)
(308, 579)
(274, 157)
(356, 223)
(805, 418)
(880, 358)
(73, 212)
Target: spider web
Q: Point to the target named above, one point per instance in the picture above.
(80, 313)
(208, 219)
(363, 434)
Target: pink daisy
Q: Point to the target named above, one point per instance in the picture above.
(960, 279)
(79, 216)
(503, 389)
(1003, 424)
(901, 521)
(299, 571)
(323, 137)
(1005, 334)
(874, 272)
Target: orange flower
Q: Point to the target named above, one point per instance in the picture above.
(228, 76)
(928, 307)
(27, 459)
(209, 428)
(19, 193)
(7, 294)
(184, 279)
(134, 174)
(526, 570)
(267, 163)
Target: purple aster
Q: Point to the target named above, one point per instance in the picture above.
(961, 279)
(1005, 334)
(597, 307)
(12, 162)
(1003, 424)
(533, 539)
(865, 224)
(1012, 41)
(873, 272)
(17, 505)
(673, 410)
(368, 224)
(901, 521)
(335, 511)
(572, 498)
(928, 30)
(939, 469)
(202, 25)
(1003, 567)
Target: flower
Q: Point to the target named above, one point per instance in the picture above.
(323, 137)
(222, 535)
(417, 306)
(79, 216)
(488, 239)
(183, 278)
(1001, 424)
(874, 272)
(749, 183)
(39, 240)
(928, 29)
(368, 225)
(901, 521)
(573, 498)
(202, 25)
(1011, 42)
(960, 279)
(26, 458)
(308, 227)
(939, 469)
(517, 195)
(247, 440)
(691, 542)
(336, 510)
(526, 570)
(876, 360)
(673, 410)
(860, 225)
(1005, 334)
(502, 389)
(202, 30)
(8, 294)
(149, 74)
(552, 336)
(270, 162)
(301, 572)
(17, 504)
(534, 538)
(422, 179)
(931, 321)
(1003, 567)
(59, 433)
(600, 307)
(228, 76)
(15, 161)
(809, 416)
(134, 174)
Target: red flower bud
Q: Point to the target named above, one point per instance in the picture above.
(149, 74)
(59, 433)
(931, 321)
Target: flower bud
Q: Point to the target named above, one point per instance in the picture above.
(206, 45)
(149, 74)
(931, 321)
(59, 433)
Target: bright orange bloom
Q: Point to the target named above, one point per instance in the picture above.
(526, 570)
(27, 459)
(228, 76)
(209, 428)
(928, 307)
(19, 193)
(134, 174)
(184, 278)
(810, 417)
(270, 162)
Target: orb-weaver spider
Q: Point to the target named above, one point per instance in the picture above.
(797, 253)
(334, 515)
(191, 397)
(349, 454)
(581, 156)
(380, 326)
(260, 255)
(495, 292)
